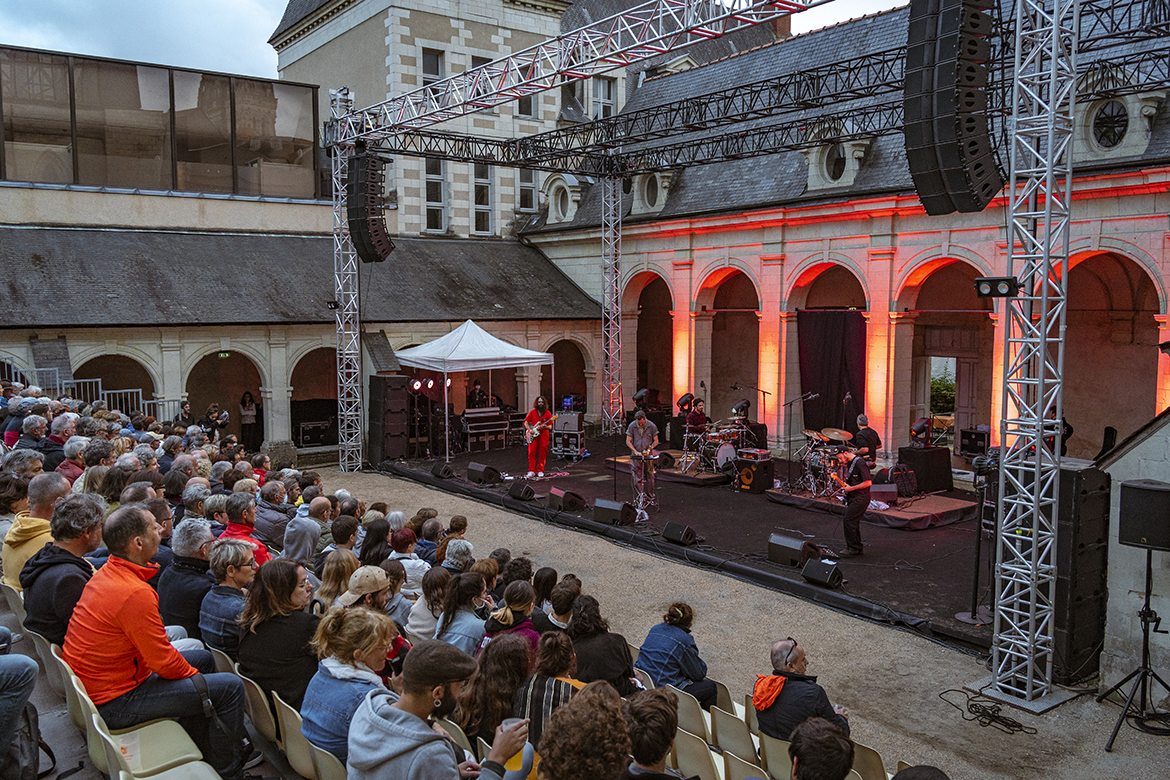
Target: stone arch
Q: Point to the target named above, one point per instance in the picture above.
(715, 275)
(314, 396)
(148, 362)
(809, 270)
(647, 326)
(13, 368)
(222, 377)
(571, 361)
(581, 344)
(637, 281)
(1082, 249)
(926, 263)
(727, 337)
(118, 372)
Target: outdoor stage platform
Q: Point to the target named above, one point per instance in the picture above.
(914, 578)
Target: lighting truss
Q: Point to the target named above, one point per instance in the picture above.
(1107, 23)
(1041, 178)
(611, 308)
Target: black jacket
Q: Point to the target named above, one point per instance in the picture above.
(26, 442)
(800, 700)
(54, 453)
(271, 520)
(53, 580)
(605, 657)
(181, 588)
(541, 622)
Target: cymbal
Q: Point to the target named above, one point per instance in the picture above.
(836, 434)
(817, 435)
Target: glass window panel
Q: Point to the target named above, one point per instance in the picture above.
(123, 125)
(483, 222)
(524, 106)
(527, 200)
(434, 192)
(435, 219)
(203, 132)
(481, 171)
(434, 167)
(274, 139)
(482, 197)
(37, 128)
(432, 66)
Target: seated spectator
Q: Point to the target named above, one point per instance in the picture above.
(170, 449)
(425, 549)
(486, 699)
(397, 521)
(113, 483)
(272, 515)
(339, 565)
(162, 514)
(488, 569)
(458, 558)
(376, 544)
(601, 655)
(652, 720)
(18, 677)
(25, 462)
(543, 582)
(241, 521)
(456, 531)
(403, 543)
(32, 531)
(234, 568)
(393, 739)
(99, 452)
(459, 625)
(586, 739)
(54, 578)
(303, 532)
(398, 606)
(276, 631)
(117, 645)
(516, 570)
(34, 430)
(63, 427)
(820, 751)
(72, 466)
(368, 587)
(194, 494)
(551, 686)
(343, 532)
(671, 657)
(261, 463)
(351, 645)
(424, 615)
(182, 586)
(513, 616)
(563, 595)
(13, 501)
(788, 696)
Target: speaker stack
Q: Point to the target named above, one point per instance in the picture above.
(363, 204)
(389, 417)
(947, 130)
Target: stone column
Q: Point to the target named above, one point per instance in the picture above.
(899, 380)
(1000, 321)
(680, 321)
(629, 373)
(702, 322)
(172, 367)
(788, 385)
(277, 399)
(769, 373)
(1162, 393)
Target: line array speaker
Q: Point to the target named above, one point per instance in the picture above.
(389, 418)
(363, 206)
(613, 512)
(484, 475)
(521, 490)
(567, 500)
(947, 130)
(679, 534)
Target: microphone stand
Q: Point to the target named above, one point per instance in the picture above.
(788, 432)
(763, 407)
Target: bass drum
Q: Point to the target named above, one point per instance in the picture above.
(717, 454)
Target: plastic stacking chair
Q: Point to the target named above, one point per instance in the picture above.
(329, 766)
(724, 701)
(735, 768)
(731, 735)
(645, 678)
(634, 651)
(52, 670)
(457, 734)
(852, 775)
(903, 765)
(223, 662)
(775, 754)
(119, 766)
(868, 763)
(15, 601)
(77, 713)
(691, 716)
(259, 712)
(297, 748)
(749, 714)
(694, 757)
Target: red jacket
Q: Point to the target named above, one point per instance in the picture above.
(70, 470)
(244, 533)
(116, 638)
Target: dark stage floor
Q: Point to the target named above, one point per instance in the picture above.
(924, 574)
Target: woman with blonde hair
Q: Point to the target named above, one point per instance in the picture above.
(246, 486)
(351, 644)
(339, 565)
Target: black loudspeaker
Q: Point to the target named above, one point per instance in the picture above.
(1144, 520)
(566, 500)
(484, 475)
(389, 418)
(665, 460)
(678, 427)
(521, 490)
(931, 467)
(363, 203)
(822, 573)
(679, 534)
(755, 476)
(613, 512)
(886, 493)
(442, 471)
(784, 549)
(947, 132)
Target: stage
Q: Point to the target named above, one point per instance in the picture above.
(917, 578)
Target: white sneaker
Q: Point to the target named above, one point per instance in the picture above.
(540, 473)
(530, 475)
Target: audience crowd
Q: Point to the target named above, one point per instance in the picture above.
(140, 546)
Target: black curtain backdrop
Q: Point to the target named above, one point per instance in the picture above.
(832, 363)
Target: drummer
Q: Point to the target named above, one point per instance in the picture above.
(641, 439)
(697, 419)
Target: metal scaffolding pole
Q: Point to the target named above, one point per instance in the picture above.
(1044, 91)
(349, 319)
(611, 303)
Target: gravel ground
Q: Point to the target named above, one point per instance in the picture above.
(890, 680)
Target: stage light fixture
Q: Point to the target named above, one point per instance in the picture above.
(686, 402)
(430, 384)
(997, 287)
(416, 385)
(640, 397)
(741, 408)
(448, 381)
(920, 426)
(333, 305)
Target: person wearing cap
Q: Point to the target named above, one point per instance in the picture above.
(395, 740)
(368, 587)
(642, 438)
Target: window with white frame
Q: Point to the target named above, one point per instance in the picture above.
(527, 190)
(603, 97)
(525, 106)
(436, 192)
(432, 66)
(482, 216)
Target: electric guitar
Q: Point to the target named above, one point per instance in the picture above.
(530, 434)
(838, 480)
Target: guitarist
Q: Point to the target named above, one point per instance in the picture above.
(538, 421)
(642, 438)
(856, 487)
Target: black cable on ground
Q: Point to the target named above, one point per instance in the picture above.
(986, 713)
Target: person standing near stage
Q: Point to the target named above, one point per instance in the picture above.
(857, 482)
(867, 441)
(538, 421)
(642, 438)
(476, 397)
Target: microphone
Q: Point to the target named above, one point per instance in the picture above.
(735, 386)
(814, 395)
(702, 384)
(848, 396)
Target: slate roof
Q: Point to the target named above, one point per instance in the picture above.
(294, 12)
(75, 278)
(781, 179)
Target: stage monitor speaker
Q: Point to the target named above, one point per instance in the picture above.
(521, 490)
(679, 534)
(569, 421)
(784, 549)
(363, 201)
(1144, 520)
(442, 471)
(614, 512)
(755, 476)
(665, 460)
(822, 572)
(886, 493)
(484, 475)
(565, 500)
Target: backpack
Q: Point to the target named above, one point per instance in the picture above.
(23, 758)
(906, 480)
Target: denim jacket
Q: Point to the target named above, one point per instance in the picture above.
(465, 632)
(333, 695)
(218, 619)
(671, 657)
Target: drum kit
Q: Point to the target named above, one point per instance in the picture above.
(713, 448)
(818, 460)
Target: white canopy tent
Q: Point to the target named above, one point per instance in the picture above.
(470, 348)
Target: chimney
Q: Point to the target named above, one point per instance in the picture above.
(782, 27)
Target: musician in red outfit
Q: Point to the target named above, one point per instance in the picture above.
(538, 421)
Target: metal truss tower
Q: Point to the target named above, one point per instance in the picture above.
(349, 323)
(611, 302)
(1046, 39)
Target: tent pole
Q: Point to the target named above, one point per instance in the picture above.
(446, 423)
(552, 402)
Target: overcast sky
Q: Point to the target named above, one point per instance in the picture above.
(223, 35)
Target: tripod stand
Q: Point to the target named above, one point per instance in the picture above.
(1143, 673)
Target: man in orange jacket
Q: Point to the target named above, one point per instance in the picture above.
(117, 645)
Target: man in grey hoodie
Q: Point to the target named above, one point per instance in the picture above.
(391, 740)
